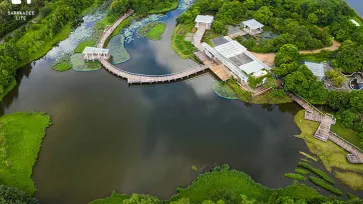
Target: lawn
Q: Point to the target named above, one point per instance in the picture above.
(87, 43)
(183, 48)
(332, 156)
(348, 134)
(21, 136)
(156, 32)
(173, 6)
(62, 66)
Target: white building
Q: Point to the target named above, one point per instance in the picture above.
(237, 59)
(252, 27)
(204, 20)
(94, 53)
(354, 22)
(317, 69)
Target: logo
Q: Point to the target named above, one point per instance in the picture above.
(19, 1)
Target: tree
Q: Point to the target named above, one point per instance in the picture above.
(263, 15)
(10, 195)
(312, 18)
(141, 199)
(336, 77)
(219, 27)
(287, 54)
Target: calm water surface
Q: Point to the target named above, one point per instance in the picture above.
(144, 139)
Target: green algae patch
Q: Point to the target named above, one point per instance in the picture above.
(21, 136)
(153, 30)
(62, 66)
(80, 65)
(223, 90)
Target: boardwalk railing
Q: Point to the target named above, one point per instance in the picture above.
(336, 135)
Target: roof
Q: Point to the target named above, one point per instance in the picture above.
(316, 68)
(95, 50)
(204, 19)
(230, 49)
(252, 67)
(253, 24)
(354, 22)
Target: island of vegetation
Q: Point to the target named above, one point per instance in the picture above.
(21, 136)
(153, 30)
(223, 185)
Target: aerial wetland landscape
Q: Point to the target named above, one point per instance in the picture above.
(182, 101)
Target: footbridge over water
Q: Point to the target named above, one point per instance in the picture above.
(135, 78)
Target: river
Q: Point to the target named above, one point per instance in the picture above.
(106, 135)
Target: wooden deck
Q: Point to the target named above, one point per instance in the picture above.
(324, 133)
(219, 70)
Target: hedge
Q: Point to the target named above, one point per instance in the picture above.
(325, 185)
(318, 172)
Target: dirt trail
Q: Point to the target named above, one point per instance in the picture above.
(269, 58)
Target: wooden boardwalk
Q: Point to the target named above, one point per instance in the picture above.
(324, 133)
(134, 78)
(219, 70)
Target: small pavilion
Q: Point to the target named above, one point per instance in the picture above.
(94, 53)
(204, 20)
(317, 69)
(252, 27)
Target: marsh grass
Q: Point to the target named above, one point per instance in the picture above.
(21, 135)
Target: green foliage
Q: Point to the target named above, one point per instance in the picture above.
(194, 168)
(114, 198)
(183, 48)
(62, 66)
(87, 43)
(141, 199)
(350, 109)
(287, 54)
(337, 78)
(153, 30)
(9, 195)
(318, 172)
(301, 171)
(325, 185)
(21, 135)
(349, 57)
(223, 90)
(295, 176)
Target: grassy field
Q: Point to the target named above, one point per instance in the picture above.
(62, 66)
(351, 179)
(156, 32)
(332, 156)
(182, 47)
(21, 136)
(87, 43)
(173, 6)
(348, 134)
(8, 89)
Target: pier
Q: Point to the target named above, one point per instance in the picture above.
(324, 133)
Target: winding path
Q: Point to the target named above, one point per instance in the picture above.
(134, 78)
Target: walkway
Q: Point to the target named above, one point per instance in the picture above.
(198, 36)
(134, 78)
(323, 132)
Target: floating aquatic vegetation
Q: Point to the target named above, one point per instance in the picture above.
(136, 25)
(117, 49)
(223, 90)
(79, 64)
(185, 4)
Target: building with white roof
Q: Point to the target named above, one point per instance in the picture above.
(317, 69)
(354, 22)
(93, 53)
(237, 59)
(252, 27)
(204, 20)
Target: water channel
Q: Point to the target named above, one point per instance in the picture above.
(109, 136)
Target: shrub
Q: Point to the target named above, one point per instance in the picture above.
(295, 176)
(301, 171)
(325, 185)
(318, 172)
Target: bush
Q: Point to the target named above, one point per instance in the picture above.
(318, 172)
(295, 176)
(325, 185)
(301, 171)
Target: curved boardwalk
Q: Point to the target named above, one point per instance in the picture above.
(134, 78)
